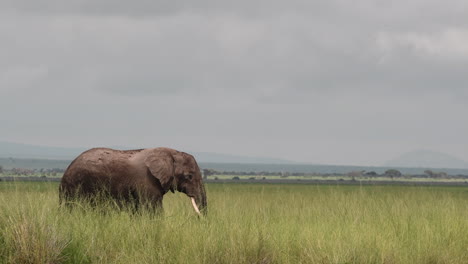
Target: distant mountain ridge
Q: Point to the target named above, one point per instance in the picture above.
(26, 151)
(10, 163)
(414, 159)
(427, 159)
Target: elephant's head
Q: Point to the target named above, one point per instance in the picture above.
(179, 171)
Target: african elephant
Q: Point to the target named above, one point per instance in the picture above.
(134, 177)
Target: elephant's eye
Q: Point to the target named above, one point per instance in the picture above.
(189, 176)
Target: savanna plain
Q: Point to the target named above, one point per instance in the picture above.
(246, 223)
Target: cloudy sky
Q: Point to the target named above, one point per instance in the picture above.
(338, 82)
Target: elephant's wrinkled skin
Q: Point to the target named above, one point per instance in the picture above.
(133, 177)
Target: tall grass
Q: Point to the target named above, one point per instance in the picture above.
(245, 224)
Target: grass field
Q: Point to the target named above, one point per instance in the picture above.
(245, 224)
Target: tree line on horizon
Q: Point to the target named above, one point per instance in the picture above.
(30, 172)
(390, 173)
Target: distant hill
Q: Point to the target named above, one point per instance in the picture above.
(25, 151)
(228, 158)
(10, 163)
(427, 159)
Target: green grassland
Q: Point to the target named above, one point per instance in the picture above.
(246, 223)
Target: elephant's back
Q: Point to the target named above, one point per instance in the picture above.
(98, 162)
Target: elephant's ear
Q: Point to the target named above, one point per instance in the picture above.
(161, 166)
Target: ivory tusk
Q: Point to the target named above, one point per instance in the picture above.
(195, 205)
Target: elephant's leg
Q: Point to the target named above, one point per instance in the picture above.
(151, 198)
(133, 202)
(151, 202)
(126, 199)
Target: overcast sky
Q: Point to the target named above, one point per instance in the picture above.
(337, 82)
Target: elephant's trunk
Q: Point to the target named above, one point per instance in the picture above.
(204, 204)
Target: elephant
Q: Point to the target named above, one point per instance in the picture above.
(133, 177)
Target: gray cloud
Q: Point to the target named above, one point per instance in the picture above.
(330, 81)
